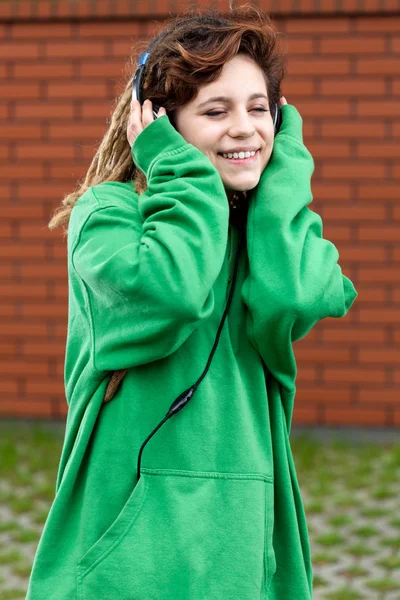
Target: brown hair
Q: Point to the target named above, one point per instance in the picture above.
(190, 51)
(193, 51)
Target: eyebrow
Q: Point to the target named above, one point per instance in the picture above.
(227, 99)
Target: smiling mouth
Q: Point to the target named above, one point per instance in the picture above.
(241, 161)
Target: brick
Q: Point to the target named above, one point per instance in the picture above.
(385, 108)
(385, 315)
(390, 150)
(75, 49)
(6, 271)
(7, 309)
(37, 349)
(383, 24)
(362, 253)
(379, 233)
(61, 291)
(345, 128)
(59, 251)
(16, 50)
(299, 87)
(8, 387)
(323, 394)
(306, 374)
(15, 290)
(385, 356)
(21, 210)
(46, 190)
(42, 71)
(316, 108)
(3, 108)
(18, 367)
(344, 45)
(36, 231)
(337, 233)
(78, 90)
(355, 416)
(356, 335)
(305, 415)
(17, 250)
(296, 46)
(396, 254)
(328, 149)
(40, 31)
(4, 151)
(75, 130)
(95, 110)
(46, 150)
(25, 408)
(318, 25)
(97, 29)
(383, 191)
(8, 349)
(353, 374)
(48, 271)
(106, 68)
(48, 388)
(357, 213)
(48, 309)
(340, 192)
(323, 354)
(379, 395)
(379, 274)
(13, 90)
(354, 170)
(71, 172)
(49, 110)
(122, 48)
(396, 90)
(24, 330)
(378, 66)
(18, 132)
(370, 293)
(352, 87)
(318, 66)
(5, 232)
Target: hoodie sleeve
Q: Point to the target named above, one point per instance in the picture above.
(148, 271)
(294, 279)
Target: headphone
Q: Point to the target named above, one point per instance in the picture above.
(184, 397)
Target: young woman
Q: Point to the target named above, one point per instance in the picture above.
(198, 502)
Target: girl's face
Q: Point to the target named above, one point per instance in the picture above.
(242, 122)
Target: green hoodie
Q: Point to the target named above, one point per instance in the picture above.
(216, 513)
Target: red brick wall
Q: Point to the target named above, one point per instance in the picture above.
(60, 67)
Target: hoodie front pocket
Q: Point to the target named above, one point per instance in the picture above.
(185, 535)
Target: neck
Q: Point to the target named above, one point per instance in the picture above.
(236, 197)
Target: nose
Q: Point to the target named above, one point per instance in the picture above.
(241, 125)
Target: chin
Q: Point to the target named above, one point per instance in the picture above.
(242, 186)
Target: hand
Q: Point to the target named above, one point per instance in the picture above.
(140, 117)
(282, 101)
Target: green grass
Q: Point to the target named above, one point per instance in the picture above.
(344, 593)
(348, 492)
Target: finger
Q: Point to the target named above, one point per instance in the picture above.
(147, 113)
(162, 111)
(135, 121)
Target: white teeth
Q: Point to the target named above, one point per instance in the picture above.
(239, 154)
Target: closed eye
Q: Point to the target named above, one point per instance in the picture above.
(215, 113)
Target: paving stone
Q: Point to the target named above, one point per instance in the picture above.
(353, 515)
